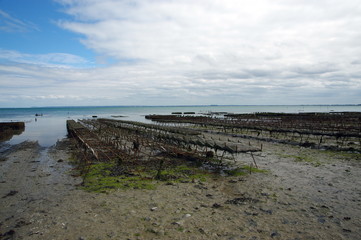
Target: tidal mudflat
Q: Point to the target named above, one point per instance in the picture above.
(298, 193)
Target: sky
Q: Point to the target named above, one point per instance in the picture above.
(179, 52)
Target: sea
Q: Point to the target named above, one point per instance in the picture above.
(47, 125)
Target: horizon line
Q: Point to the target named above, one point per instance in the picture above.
(191, 105)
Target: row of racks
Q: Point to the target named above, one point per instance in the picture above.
(122, 140)
(322, 130)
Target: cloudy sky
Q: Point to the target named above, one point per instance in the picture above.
(179, 52)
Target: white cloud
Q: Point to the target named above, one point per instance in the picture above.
(199, 52)
(64, 60)
(9, 23)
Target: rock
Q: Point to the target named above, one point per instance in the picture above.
(201, 230)
(275, 234)
(8, 234)
(153, 209)
(252, 223)
(216, 205)
(241, 201)
(11, 193)
(321, 220)
(200, 186)
(266, 211)
(251, 213)
(187, 215)
(179, 223)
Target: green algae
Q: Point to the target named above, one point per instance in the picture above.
(303, 158)
(244, 170)
(100, 177)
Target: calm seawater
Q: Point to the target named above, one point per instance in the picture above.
(51, 126)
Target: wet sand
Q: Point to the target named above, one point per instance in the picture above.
(315, 196)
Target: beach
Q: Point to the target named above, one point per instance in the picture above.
(156, 119)
(303, 193)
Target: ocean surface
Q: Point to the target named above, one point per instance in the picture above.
(47, 125)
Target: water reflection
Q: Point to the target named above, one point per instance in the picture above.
(46, 131)
(8, 130)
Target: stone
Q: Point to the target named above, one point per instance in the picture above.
(275, 234)
(216, 205)
(179, 223)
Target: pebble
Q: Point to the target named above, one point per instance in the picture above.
(201, 230)
(187, 215)
(216, 205)
(200, 186)
(251, 213)
(153, 209)
(321, 220)
(8, 233)
(266, 211)
(252, 223)
(11, 193)
(179, 223)
(275, 234)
